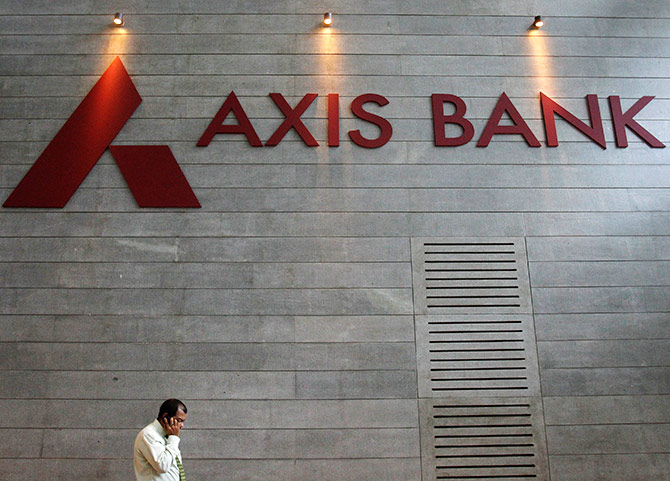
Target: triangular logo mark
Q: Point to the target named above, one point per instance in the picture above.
(152, 173)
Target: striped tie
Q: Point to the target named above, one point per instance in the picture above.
(182, 475)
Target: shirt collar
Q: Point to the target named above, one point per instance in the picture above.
(159, 428)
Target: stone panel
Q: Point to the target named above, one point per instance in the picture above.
(213, 414)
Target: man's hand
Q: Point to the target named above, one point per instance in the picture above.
(171, 426)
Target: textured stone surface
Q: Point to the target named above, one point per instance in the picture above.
(282, 312)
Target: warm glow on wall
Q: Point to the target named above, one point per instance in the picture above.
(541, 61)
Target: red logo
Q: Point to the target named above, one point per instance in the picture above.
(151, 171)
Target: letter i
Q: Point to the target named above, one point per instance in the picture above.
(333, 120)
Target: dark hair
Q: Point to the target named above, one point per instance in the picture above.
(170, 407)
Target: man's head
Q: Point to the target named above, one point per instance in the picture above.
(173, 408)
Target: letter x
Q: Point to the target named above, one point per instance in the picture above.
(293, 120)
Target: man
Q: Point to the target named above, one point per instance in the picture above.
(157, 455)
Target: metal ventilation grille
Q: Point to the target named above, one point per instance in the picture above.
(477, 356)
(468, 356)
(489, 439)
(471, 275)
(474, 328)
(478, 376)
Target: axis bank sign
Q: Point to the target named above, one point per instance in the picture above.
(156, 180)
(550, 109)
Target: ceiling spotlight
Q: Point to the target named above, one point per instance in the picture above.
(327, 19)
(118, 19)
(538, 22)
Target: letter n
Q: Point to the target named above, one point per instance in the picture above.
(595, 132)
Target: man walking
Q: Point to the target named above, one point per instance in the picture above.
(157, 455)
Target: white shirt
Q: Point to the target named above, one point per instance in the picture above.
(156, 454)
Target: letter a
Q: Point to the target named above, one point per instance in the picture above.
(216, 126)
(493, 126)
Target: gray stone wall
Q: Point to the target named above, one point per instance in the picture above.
(283, 311)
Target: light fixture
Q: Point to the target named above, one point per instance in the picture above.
(327, 19)
(538, 22)
(118, 19)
